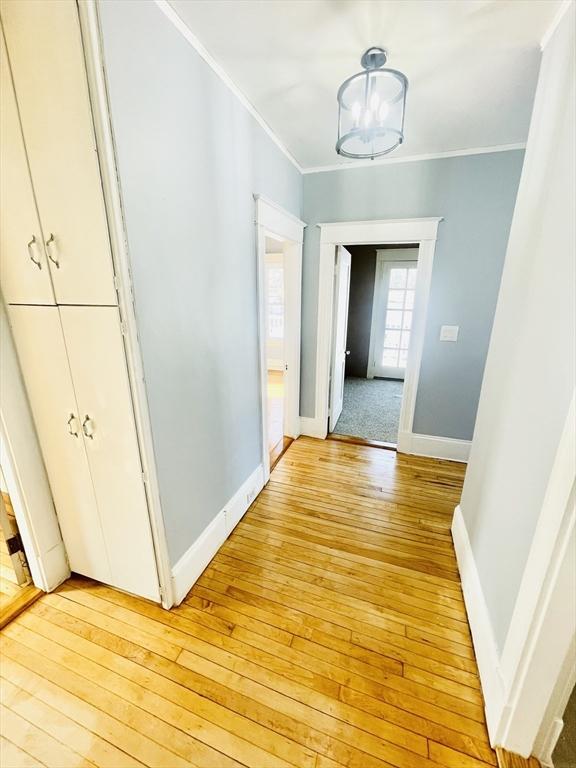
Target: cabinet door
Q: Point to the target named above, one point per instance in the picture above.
(97, 361)
(45, 52)
(24, 274)
(43, 360)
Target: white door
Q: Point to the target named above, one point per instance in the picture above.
(341, 297)
(96, 353)
(44, 363)
(392, 318)
(46, 56)
(24, 273)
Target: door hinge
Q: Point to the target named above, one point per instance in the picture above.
(14, 544)
(123, 328)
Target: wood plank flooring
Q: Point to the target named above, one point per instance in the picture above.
(328, 631)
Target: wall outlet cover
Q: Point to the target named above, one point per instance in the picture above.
(449, 332)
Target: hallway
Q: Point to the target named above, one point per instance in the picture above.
(329, 630)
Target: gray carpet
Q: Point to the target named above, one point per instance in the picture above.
(371, 409)
(565, 752)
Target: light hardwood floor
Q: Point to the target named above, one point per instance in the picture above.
(328, 631)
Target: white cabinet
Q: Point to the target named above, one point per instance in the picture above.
(46, 57)
(43, 360)
(58, 280)
(73, 363)
(96, 355)
(24, 273)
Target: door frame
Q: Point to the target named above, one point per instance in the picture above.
(421, 232)
(273, 221)
(382, 262)
(333, 366)
(97, 87)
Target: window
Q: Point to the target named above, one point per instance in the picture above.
(275, 295)
(398, 320)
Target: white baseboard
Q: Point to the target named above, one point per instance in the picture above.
(487, 656)
(312, 427)
(435, 447)
(190, 566)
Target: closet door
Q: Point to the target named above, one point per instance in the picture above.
(24, 274)
(43, 360)
(96, 353)
(45, 52)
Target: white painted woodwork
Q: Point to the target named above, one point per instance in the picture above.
(96, 354)
(46, 56)
(341, 299)
(273, 221)
(24, 273)
(43, 360)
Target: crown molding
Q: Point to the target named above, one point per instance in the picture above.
(185, 31)
(413, 158)
(558, 16)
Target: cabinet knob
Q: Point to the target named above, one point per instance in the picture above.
(88, 427)
(51, 250)
(32, 249)
(71, 421)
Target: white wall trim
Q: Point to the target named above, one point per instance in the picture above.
(187, 33)
(546, 37)
(433, 446)
(93, 53)
(312, 427)
(271, 219)
(485, 648)
(543, 626)
(392, 160)
(422, 232)
(193, 562)
(524, 687)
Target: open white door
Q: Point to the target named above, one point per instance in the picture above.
(341, 296)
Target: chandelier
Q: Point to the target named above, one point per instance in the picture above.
(371, 109)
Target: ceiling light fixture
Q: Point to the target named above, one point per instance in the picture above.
(371, 109)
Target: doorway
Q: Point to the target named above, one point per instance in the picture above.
(416, 235)
(16, 588)
(279, 258)
(278, 441)
(373, 306)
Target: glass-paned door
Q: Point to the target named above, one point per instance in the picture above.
(392, 318)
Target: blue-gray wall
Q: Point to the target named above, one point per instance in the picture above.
(190, 158)
(475, 194)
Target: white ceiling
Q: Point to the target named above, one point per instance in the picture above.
(472, 65)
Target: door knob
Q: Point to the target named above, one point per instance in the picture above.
(88, 427)
(347, 351)
(71, 421)
(32, 247)
(52, 251)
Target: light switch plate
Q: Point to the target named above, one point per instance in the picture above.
(449, 332)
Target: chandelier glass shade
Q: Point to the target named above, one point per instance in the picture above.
(371, 109)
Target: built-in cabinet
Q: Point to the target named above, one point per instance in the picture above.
(46, 57)
(58, 282)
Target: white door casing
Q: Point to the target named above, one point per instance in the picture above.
(44, 45)
(420, 232)
(341, 299)
(44, 362)
(94, 343)
(24, 273)
(272, 220)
